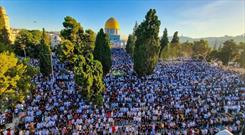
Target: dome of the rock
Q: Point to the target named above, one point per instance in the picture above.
(112, 23)
(112, 29)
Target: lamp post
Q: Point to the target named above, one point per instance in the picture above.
(51, 59)
(24, 49)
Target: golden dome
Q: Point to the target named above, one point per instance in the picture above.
(112, 23)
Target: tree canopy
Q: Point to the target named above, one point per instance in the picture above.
(77, 49)
(72, 30)
(229, 52)
(200, 49)
(147, 44)
(89, 77)
(175, 39)
(242, 59)
(27, 43)
(130, 44)
(131, 41)
(15, 79)
(102, 51)
(5, 36)
(65, 50)
(164, 41)
(90, 37)
(45, 56)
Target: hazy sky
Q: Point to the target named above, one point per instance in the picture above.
(194, 18)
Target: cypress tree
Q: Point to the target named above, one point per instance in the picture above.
(102, 51)
(135, 28)
(175, 39)
(77, 48)
(89, 77)
(45, 56)
(164, 41)
(90, 37)
(131, 41)
(65, 51)
(147, 44)
(130, 45)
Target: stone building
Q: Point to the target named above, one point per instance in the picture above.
(112, 28)
(4, 23)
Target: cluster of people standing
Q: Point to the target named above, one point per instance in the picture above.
(182, 96)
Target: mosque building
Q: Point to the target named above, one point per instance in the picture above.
(4, 23)
(112, 28)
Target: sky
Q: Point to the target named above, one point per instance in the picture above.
(192, 18)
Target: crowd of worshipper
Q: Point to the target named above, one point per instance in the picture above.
(181, 97)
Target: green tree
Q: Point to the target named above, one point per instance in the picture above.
(174, 51)
(88, 75)
(5, 36)
(164, 41)
(102, 51)
(242, 59)
(200, 49)
(72, 31)
(229, 52)
(77, 48)
(36, 37)
(241, 45)
(15, 80)
(165, 53)
(174, 47)
(65, 51)
(186, 49)
(175, 39)
(33, 49)
(131, 41)
(213, 55)
(178, 50)
(135, 28)
(73, 41)
(45, 56)
(27, 43)
(83, 42)
(23, 40)
(90, 37)
(130, 44)
(5, 47)
(242, 55)
(147, 44)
